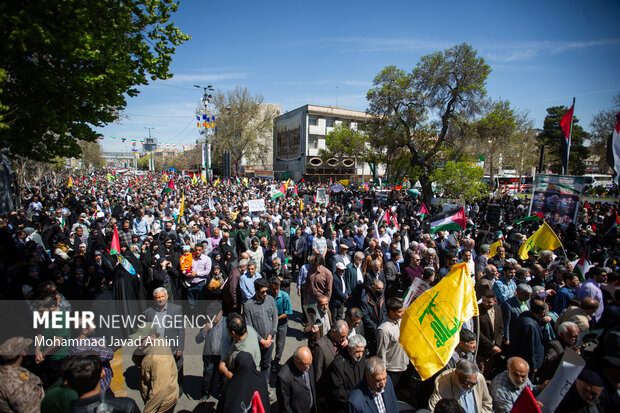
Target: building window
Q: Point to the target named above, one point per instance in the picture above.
(313, 142)
(329, 122)
(313, 120)
(344, 123)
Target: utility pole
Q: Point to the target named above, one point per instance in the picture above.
(150, 149)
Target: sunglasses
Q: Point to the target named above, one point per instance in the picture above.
(467, 383)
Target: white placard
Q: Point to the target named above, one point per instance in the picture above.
(255, 205)
(417, 288)
(562, 380)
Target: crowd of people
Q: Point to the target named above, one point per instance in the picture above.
(189, 247)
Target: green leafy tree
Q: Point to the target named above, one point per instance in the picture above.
(602, 125)
(70, 65)
(244, 126)
(415, 110)
(460, 180)
(344, 142)
(494, 131)
(552, 136)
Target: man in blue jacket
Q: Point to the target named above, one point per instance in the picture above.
(526, 339)
(375, 393)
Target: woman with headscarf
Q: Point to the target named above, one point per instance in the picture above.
(239, 390)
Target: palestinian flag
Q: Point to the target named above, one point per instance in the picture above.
(532, 218)
(453, 220)
(280, 192)
(581, 267)
(129, 189)
(424, 212)
(115, 247)
(169, 188)
(295, 191)
(566, 124)
(613, 151)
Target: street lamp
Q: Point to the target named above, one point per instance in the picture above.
(206, 157)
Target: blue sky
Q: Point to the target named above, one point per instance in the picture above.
(542, 53)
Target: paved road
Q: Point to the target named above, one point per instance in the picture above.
(193, 366)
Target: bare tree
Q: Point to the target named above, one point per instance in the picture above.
(242, 124)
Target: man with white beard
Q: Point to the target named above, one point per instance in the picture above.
(507, 386)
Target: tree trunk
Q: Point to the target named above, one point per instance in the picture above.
(427, 189)
(491, 174)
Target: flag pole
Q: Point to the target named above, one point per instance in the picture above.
(570, 136)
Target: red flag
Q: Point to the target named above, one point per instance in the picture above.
(526, 403)
(565, 124)
(115, 248)
(586, 206)
(540, 215)
(257, 403)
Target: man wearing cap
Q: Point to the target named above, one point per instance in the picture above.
(342, 257)
(339, 292)
(20, 390)
(587, 395)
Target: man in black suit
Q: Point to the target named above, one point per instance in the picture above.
(375, 390)
(295, 385)
(169, 324)
(346, 371)
(339, 292)
(491, 331)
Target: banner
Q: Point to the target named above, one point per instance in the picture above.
(565, 375)
(255, 205)
(321, 196)
(557, 198)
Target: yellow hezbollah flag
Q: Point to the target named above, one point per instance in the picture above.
(301, 204)
(344, 182)
(204, 178)
(494, 247)
(70, 184)
(217, 182)
(182, 210)
(429, 330)
(543, 239)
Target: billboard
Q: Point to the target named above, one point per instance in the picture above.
(557, 198)
(288, 138)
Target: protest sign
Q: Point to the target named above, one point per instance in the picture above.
(565, 375)
(418, 286)
(255, 205)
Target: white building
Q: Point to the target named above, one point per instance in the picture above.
(300, 134)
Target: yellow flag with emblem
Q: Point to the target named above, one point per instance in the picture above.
(493, 248)
(344, 182)
(543, 239)
(429, 329)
